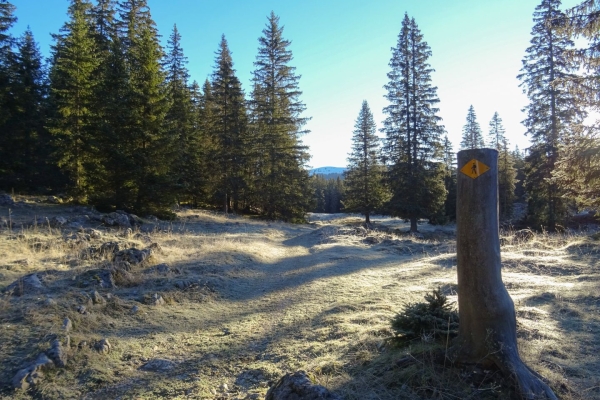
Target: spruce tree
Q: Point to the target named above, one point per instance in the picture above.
(506, 170)
(413, 130)
(27, 139)
(496, 132)
(230, 129)
(74, 62)
(282, 181)
(365, 192)
(181, 121)
(550, 112)
(146, 138)
(472, 138)
(7, 19)
(449, 159)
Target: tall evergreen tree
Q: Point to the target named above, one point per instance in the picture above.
(72, 88)
(181, 121)
(27, 139)
(496, 132)
(146, 140)
(413, 130)
(550, 112)
(472, 138)
(519, 164)
(449, 159)
(7, 19)
(282, 181)
(506, 170)
(365, 192)
(230, 129)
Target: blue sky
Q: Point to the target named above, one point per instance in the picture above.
(342, 50)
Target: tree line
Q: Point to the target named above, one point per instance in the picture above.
(114, 120)
(413, 174)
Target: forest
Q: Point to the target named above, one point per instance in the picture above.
(114, 120)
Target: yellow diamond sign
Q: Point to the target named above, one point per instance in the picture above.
(474, 168)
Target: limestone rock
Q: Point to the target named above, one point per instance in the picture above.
(297, 386)
(29, 284)
(157, 300)
(58, 222)
(97, 298)
(119, 219)
(32, 374)
(67, 325)
(158, 365)
(81, 309)
(107, 279)
(57, 354)
(103, 346)
(134, 256)
(53, 200)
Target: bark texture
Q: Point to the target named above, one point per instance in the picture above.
(487, 331)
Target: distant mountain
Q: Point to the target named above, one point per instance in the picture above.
(327, 171)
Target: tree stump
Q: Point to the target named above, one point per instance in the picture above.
(488, 328)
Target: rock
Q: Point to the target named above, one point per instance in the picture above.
(50, 302)
(224, 387)
(524, 235)
(135, 310)
(157, 300)
(163, 269)
(158, 365)
(184, 284)
(81, 309)
(119, 219)
(103, 346)
(74, 225)
(6, 200)
(108, 249)
(58, 222)
(29, 284)
(94, 234)
(134, 256)
(97, 298)
(67, 325)
(297, 386)
(107, 279)
(57, 354)
(31, 375)
(82, 344)
(53, 200)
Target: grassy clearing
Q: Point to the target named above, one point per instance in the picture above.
(268, 298)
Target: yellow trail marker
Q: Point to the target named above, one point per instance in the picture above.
(474, 168)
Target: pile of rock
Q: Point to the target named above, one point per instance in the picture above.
(56, 356)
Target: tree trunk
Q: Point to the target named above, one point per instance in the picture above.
(413, 225)
(367, 218)
(487, 330)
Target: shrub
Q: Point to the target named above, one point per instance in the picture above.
(435, 318)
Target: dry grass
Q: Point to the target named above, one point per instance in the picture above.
(269, 298)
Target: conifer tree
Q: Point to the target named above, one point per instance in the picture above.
(147, 141)
(449, 159)
(365, 192)
(181, 120)
(26, 137)
(496, 132)
(282, 181)
(519, 164)
(506, 170)
(7, 19)
(551, 111)
(230, 129)
(472, 138)
(72, 88)
(413, 130)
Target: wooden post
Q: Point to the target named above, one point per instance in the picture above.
(487, 329)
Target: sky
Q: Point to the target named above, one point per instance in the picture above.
(342, 49)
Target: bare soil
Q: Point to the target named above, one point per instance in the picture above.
(249, 300)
